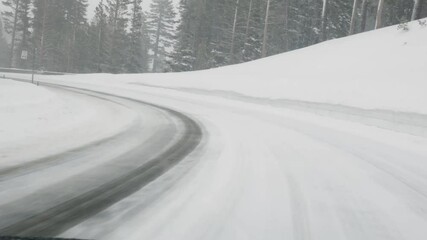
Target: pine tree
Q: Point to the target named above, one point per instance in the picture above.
(50, 34)
(279, 27)
(118, 17)
(364, 15)
(138, 46)
(183, 57)
(4, 48)
(40, 30)
(23, 28)
(76, 24)
(220, 32)
(339, 18)
(161, 20)
(253, 32)
(10, 18)
(101, 39)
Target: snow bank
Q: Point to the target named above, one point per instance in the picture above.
(384, 69)
(36, 122)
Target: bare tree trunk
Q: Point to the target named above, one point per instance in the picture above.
(378, 22)
(70, 50)
(99, 46)
(324, 18)
(156, 46)
(416, 10)
(353, 18)
(12, 47)
(233, 33)
(364, 15)
(265, 38)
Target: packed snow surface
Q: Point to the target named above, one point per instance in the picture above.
(266, 171)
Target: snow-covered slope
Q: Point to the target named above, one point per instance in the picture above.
(384, 69)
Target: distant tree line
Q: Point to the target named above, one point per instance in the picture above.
(199, 34)
(222, 32)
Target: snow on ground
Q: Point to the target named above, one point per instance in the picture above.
(36, 122)
(268, 172)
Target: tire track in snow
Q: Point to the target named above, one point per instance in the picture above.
(300, 218)
(69, 155)
(406, 122)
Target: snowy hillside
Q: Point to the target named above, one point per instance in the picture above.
(384, 69)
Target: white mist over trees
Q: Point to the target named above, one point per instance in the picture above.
(199, 34)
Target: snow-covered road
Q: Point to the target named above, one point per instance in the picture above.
(265, 172)
(44, 197)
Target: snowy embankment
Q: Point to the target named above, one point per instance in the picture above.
(36, 122)
(384, 69)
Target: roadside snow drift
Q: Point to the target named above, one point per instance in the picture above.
(36, 122)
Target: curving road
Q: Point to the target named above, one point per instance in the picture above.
(265, 171)
(51, 209)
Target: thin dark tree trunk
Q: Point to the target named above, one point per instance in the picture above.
(364, 15)
(99, 46)
(156, 46)
(353, 18)
(324, 18)
(70, 50)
